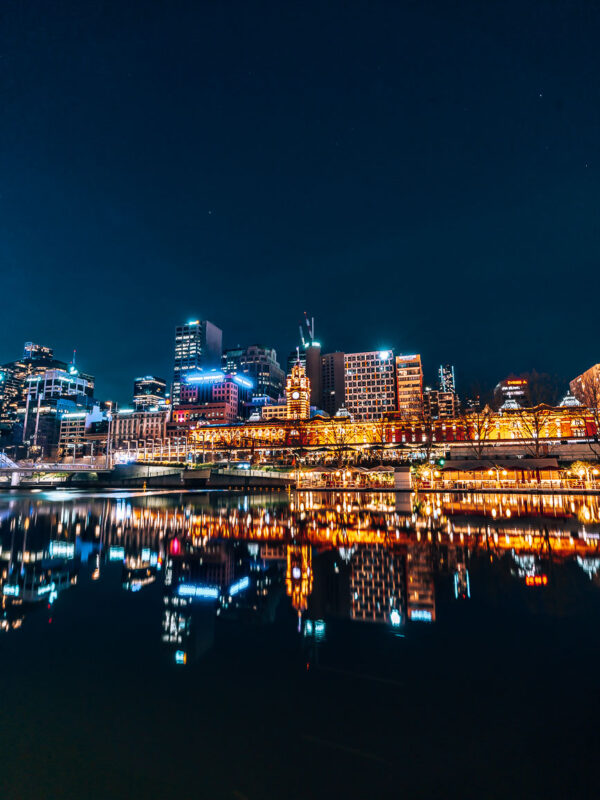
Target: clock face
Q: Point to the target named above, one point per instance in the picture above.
(295, 395)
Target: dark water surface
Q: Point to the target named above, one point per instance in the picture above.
(298, 646)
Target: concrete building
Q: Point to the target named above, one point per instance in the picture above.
(512, 389)
(370, 384)
(439, 405)
(214, 386)
(409, 384)
(333, 386)
(198, 346)
(586, 387)
(447, 379)
(260, 365)
(314, 372)
(128, 426)
(149, 392)
(75, 437)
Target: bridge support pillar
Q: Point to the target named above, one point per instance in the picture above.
(15, 479)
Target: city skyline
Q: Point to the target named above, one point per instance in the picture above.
(408, 187)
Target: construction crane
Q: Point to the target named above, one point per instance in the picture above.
(310, 324)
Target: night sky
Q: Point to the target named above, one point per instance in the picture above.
(414, 174)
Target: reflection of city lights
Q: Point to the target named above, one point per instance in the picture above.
(239, 586)
(199, 591)
(180, 657)
(536, 580)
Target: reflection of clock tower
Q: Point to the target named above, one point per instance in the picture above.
(298, 393)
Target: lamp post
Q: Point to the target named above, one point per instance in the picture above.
(108, 439)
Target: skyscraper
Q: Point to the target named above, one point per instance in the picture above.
(332, 382)
(198, 346)
(260, 364)
(370, 384)
(447, 381)
(313, 372)
(148, 391)
(409, 383)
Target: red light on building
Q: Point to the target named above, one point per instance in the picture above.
(536, 580)
(175, 547)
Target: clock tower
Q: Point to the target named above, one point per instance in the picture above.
(298, 393)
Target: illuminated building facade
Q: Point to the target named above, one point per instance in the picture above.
(260, 365)
(213, 395)
(513, 389)
(275, 411)
(37, 352)
(420, 593)
(14, 375)
(586, 387)
(370, 384)
(409, 384)
(129, 426)
(61, 383)
(447, 379)
(74, 427)
(439, 405)
(149, 392)
(298, 393)
(198, 346)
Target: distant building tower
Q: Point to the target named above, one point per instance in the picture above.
(438, 405)
(333, 387)
(298, 393)
(198, 345)
(37, 352)
(586, 387)
(261, 365)
(313, 372)
(513, 389)
(447, 381)
(409, 384)
(148, 392)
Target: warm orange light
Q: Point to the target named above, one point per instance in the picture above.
(536, 580)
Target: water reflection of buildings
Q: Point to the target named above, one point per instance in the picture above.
(377, 584)
(363, 556)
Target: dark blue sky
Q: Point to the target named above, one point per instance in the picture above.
(414, 174)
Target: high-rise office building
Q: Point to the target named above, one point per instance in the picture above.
(447, 380)
(586, 387)
(198, 346)
(260, 364)
(438, 405)
(37, 352)
(370, 384)
(332, 382)
(149, 392)
(409, 384)
(313, 372)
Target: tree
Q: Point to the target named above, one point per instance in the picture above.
(533, 428)
(338, 435)
(476, 424)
